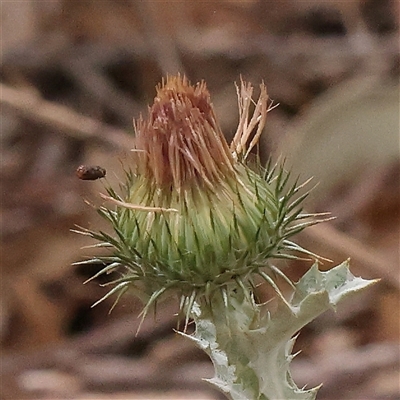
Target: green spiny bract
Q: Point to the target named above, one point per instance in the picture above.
(193, 216)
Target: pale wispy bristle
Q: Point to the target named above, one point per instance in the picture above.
(247, 136)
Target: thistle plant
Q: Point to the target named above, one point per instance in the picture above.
(204, 220)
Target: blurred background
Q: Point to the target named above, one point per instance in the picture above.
(75, 73)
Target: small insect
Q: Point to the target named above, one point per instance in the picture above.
(90, 173)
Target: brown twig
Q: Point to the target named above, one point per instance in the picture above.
(98, 86)
(162, 46)
(336, 370)
(62, 119)
(335, 243)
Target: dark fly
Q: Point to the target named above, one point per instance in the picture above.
(90, 173)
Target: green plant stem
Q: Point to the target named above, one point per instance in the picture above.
(250, 349)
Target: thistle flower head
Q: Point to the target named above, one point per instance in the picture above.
(192, 216)
(180, 144)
